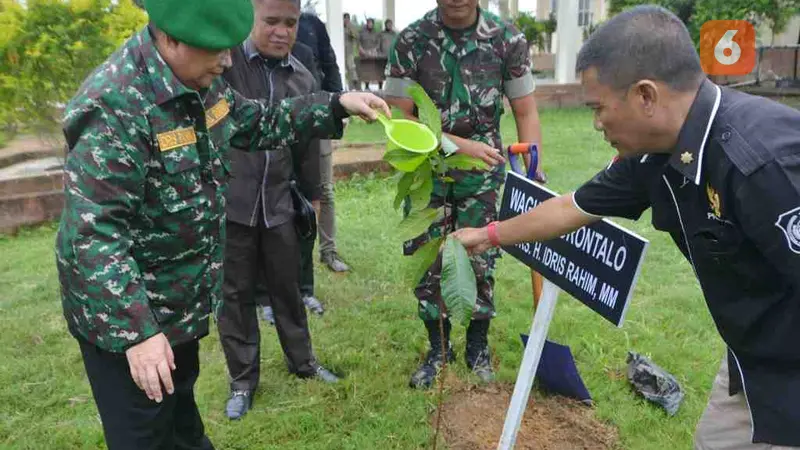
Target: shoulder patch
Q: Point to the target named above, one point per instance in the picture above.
(789, 223)
(217, 113)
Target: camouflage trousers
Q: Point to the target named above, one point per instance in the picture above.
(469, 202)
(351, 74)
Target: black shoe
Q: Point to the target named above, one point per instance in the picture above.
(313, 305)
(334, 262)
(238, 404)
(478, 357)
(322, 374)
(426, 373)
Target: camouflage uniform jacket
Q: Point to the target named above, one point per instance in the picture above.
(465, 73)
(140, 243)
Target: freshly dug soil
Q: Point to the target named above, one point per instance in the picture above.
(473, 417)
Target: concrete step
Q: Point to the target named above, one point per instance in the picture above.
(29, 209)
(28, 197)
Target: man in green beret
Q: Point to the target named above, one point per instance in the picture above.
(140, 244)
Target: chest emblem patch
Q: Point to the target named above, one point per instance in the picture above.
(714, 201)
(176, 138)
(789, 223)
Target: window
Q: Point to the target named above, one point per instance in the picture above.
(584, 13)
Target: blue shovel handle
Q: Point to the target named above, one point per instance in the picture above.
(517, 161)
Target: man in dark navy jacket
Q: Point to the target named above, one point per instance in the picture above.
(721, 172)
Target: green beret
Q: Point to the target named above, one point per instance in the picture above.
(207, 24)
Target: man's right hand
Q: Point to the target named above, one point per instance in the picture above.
(151, 362)
(486, 153)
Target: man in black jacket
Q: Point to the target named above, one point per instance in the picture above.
(312, 32)
(262, 241)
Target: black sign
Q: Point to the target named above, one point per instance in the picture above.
(597, 264)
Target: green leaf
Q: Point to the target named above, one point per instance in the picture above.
(421, 197)
(403, 188)
(465, 162)
(423, 258)
(417, 223)
(427, 111)
(422, 173)
(422, 186)
(404, 160)
(459, 287)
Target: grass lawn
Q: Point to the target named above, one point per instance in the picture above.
(372, 334)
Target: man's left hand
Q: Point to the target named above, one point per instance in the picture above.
(364, 104)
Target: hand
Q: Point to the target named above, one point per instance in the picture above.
(541, 177)
(475, 240)
(488, 154)
(151, 363)
(364, 104)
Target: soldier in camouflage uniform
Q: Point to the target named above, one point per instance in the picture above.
(466, 59)
(140, 244)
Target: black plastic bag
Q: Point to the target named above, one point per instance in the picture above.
(654, 383)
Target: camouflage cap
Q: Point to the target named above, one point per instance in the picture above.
(207, 24)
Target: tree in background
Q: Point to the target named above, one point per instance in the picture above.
(48, 47)
(538, 33)
(776, 14)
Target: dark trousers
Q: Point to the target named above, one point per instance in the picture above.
(133, 421)
(307, 266)
(253, 253)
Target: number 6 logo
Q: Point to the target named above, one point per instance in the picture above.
(727, 43)
(727, 47)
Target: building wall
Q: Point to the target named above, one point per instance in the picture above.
(791, 36)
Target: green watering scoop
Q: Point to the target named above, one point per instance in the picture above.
(409, 135)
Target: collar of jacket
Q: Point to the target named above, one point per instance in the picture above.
(251, 52)
(166, 86)
(687, 156)
(488, 25)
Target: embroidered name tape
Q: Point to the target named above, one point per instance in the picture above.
(170, 140)
(217, 113)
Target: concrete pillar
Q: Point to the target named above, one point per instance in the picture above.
(542, 9)
(503, 6)
(388, 10)
(333, 14)
(513, 8)
(484, 4)
(569, 40)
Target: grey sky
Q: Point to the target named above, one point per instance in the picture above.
(407, 10)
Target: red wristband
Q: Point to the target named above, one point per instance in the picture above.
(491, 229)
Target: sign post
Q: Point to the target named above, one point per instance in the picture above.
(598, 265)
